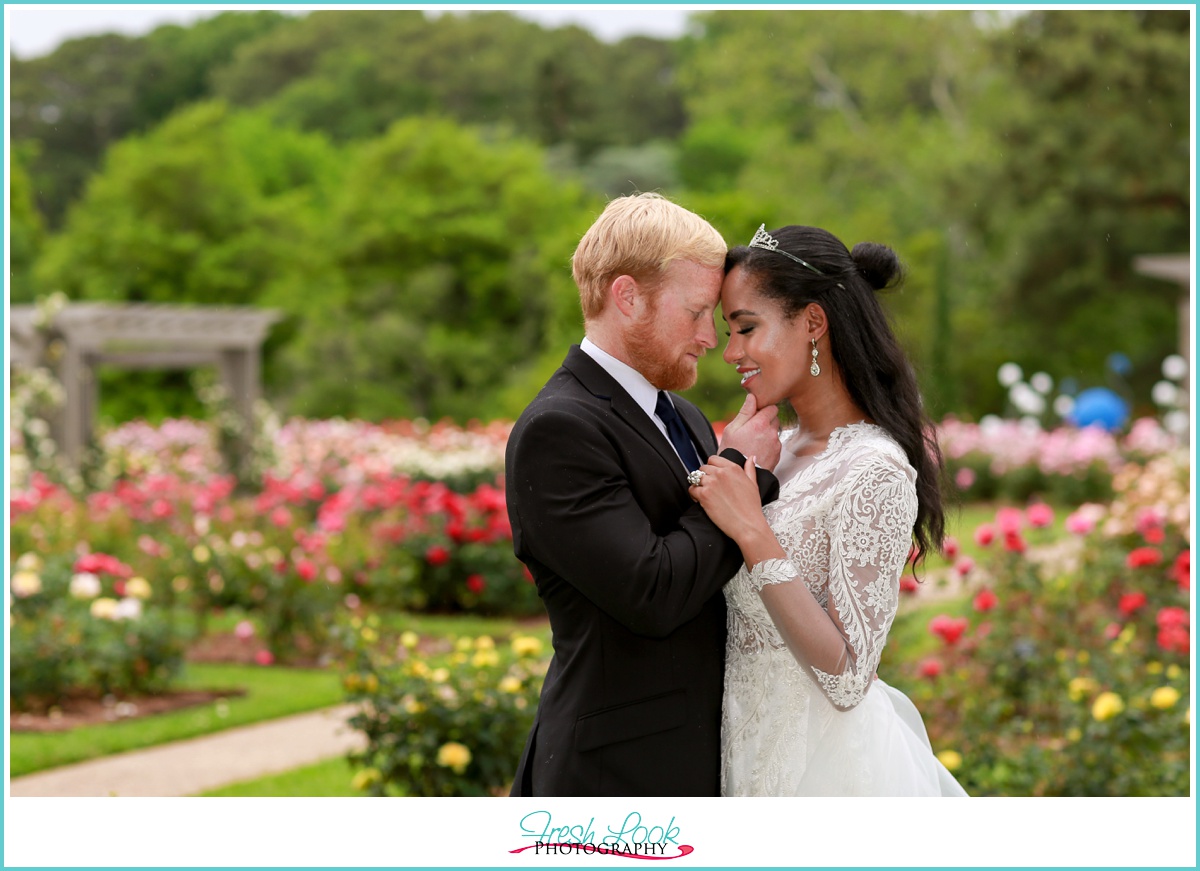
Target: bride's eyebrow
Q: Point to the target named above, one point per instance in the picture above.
(740, 313)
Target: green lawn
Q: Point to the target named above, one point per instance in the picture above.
(278, 692)
(328, 779)
(269, 693)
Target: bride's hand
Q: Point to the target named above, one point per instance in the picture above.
(728, 493)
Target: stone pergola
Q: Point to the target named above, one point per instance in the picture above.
(83, 336)
(1176, 268)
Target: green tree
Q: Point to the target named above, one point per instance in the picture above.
(852, 121)
(453, 262)
(91, 92)
(1089, 169)
(211, 207)
(26, 230)
(352, 73)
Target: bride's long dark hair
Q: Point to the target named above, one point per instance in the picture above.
(875, 370)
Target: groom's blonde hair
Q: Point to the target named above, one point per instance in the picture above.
(640, 235)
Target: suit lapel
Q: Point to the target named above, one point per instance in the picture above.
(603, 386)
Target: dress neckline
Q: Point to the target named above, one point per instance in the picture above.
(838, 436)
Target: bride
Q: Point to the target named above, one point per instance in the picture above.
(809, 613)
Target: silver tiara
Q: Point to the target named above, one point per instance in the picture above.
(763, 239)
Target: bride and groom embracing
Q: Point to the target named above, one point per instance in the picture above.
(718, 611)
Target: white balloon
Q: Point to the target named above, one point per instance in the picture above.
(1064, 405)
(1174, 367)
(1009, 374)
(1041, 382)
(1176, 422)
(1164, 393)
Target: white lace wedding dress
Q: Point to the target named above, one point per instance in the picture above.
(789, 727)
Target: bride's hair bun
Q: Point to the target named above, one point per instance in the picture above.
(878, 264)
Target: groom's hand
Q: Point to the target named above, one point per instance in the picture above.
(754, 432)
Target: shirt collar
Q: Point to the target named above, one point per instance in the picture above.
(634, 382)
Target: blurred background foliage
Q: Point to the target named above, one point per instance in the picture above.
(407, 188)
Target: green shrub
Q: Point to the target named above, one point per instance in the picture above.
(86, 633)
(448, 723)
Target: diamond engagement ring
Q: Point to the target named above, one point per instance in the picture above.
(694, 477)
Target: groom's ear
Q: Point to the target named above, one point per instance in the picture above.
(625, 292)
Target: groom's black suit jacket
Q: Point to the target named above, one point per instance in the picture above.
(630, 570)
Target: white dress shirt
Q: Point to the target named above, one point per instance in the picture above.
(634, 383)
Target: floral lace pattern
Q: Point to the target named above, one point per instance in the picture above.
(845, 520)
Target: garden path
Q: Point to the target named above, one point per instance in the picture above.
(199, 764)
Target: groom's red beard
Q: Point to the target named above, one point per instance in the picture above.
(665, 366)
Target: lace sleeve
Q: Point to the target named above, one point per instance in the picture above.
(870, 533)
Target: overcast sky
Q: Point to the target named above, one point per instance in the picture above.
(36, 30)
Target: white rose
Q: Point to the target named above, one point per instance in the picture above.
(85, 585)
(127, 609)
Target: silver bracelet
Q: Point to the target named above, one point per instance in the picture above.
(772, 571)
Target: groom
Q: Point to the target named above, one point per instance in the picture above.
(630, 569)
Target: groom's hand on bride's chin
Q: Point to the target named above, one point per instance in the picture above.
(754, 432)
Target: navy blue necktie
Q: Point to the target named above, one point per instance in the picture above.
(677, 432)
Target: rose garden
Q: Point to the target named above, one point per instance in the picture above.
(1048, 648)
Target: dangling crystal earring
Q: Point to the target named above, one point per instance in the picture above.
(815, 369)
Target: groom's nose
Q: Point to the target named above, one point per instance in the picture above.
(708, 333)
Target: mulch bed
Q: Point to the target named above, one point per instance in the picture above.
(76, 711)
(85, 711)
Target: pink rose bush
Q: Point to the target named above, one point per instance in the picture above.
(1067, 671)
(403, 515)
(1014, 459)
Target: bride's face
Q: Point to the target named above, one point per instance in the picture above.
(769, 350)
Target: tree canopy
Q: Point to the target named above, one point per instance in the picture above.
(408, 186)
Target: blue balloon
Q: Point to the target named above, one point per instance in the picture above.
(1099, 406)
(1119, 363)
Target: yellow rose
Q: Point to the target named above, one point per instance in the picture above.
(510, 684)
(1154, 668)
(30, 562)
(455, 756)
(526, 645)
(351, 682)
(440, 675)
(1173, 671)
(369, 635)
(179, 583)
(1107, 706)
(366, 778)
(1164, 697)
(419, 668)
(409, 639)
(26, 583)
(485, 658)
(413, 706)
(138, 587)
(200, 553)
(951, 759)
(484, 642)
(1079, 687)
(463, 644)
(1074, 734)
(104, 608)
(1082, 657)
